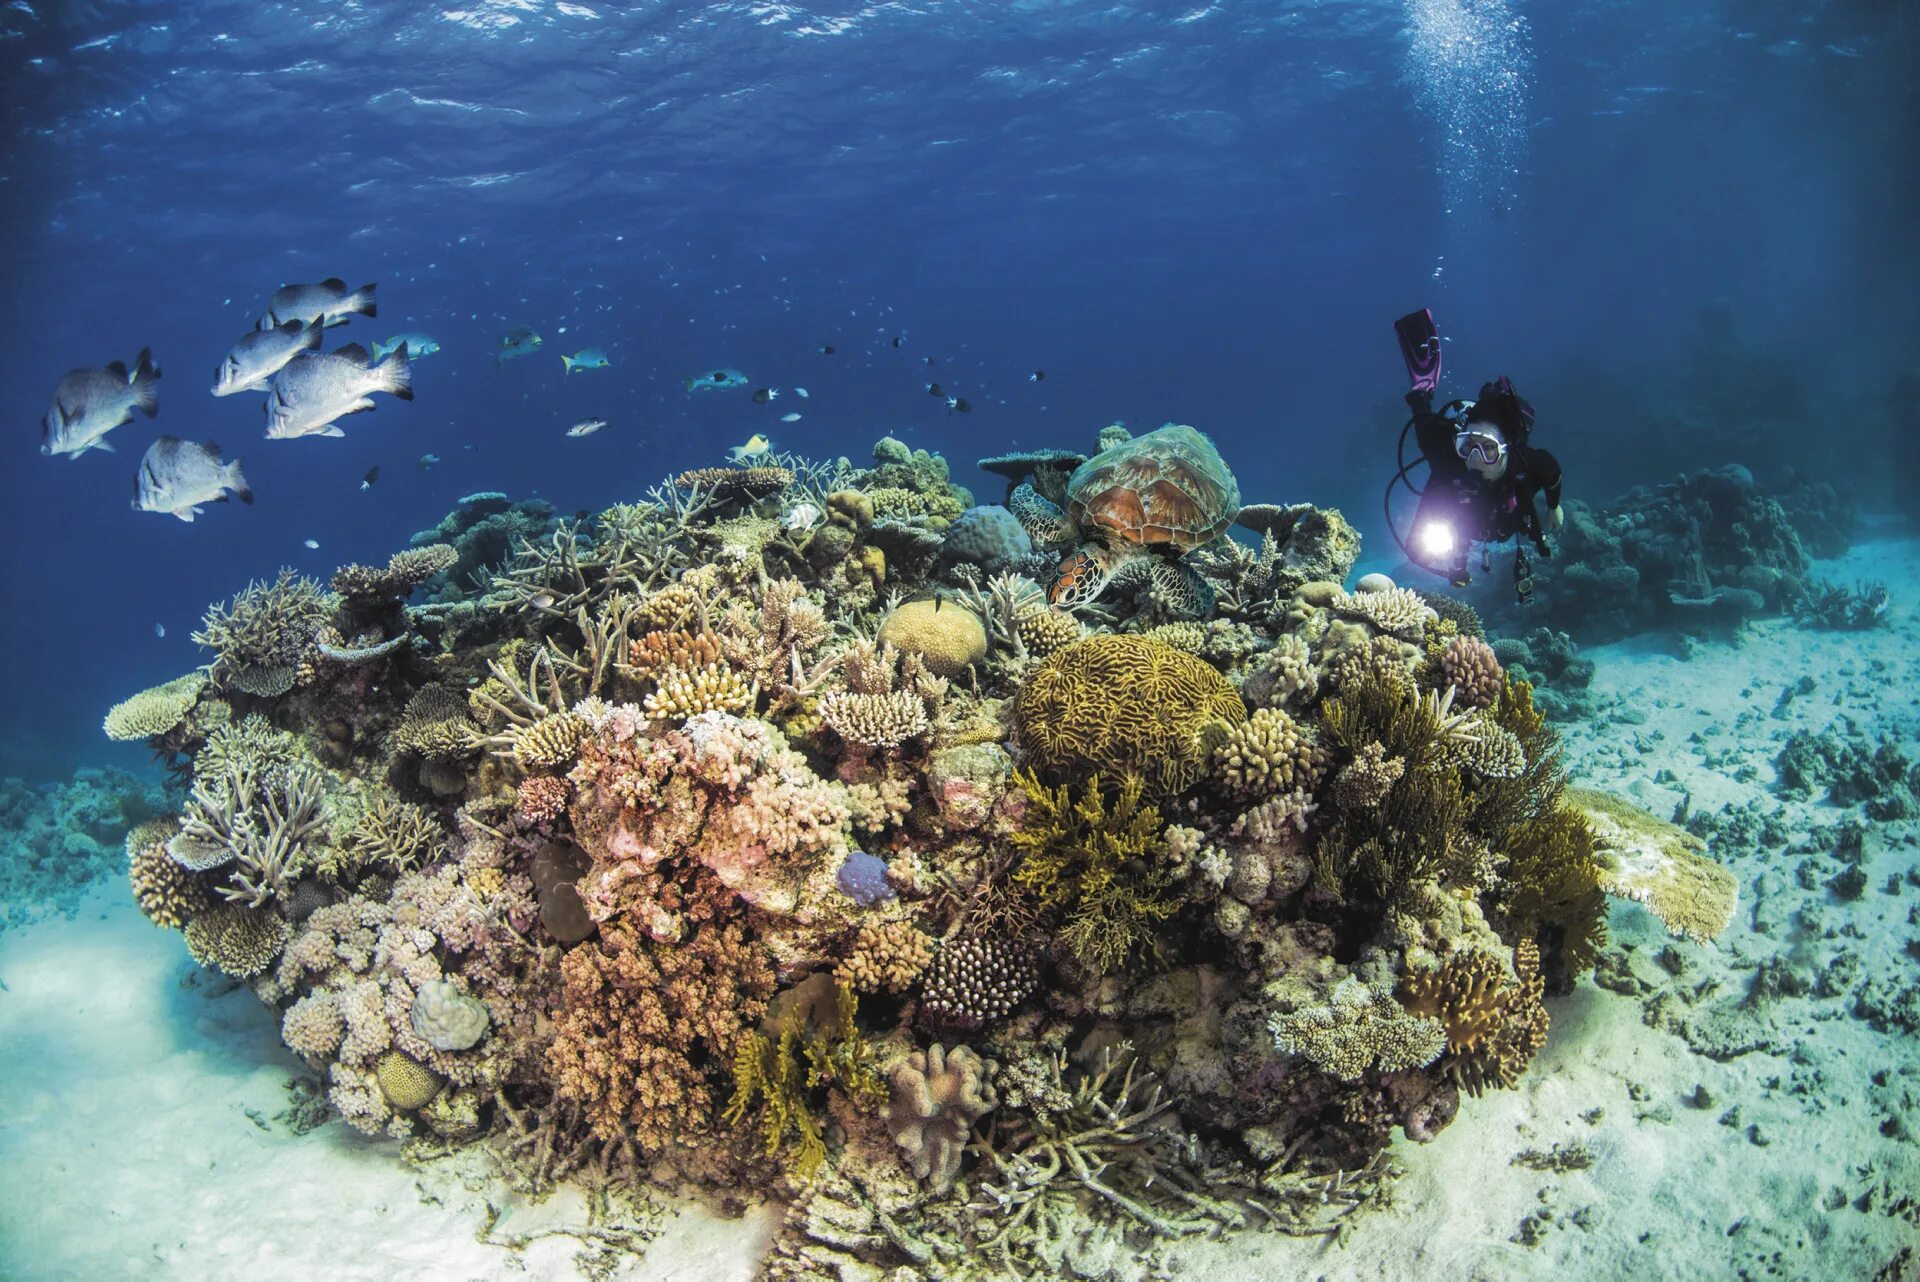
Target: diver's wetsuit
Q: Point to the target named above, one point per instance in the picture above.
(1495, 510)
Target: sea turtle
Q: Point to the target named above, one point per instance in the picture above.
(1135, 509)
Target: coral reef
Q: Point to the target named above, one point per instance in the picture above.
(1709, 548)
(771, 832)
(60, 838)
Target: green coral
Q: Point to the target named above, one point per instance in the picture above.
(1097, 866)
(1553, 888)
(769, 1069)
(1418, 829)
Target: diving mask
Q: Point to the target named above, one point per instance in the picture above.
(1477, 445)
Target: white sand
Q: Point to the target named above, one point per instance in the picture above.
(128, 1078)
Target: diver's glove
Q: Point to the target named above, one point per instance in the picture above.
(1556, 518)
(1420, 401)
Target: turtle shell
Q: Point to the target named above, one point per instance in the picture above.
(1168, 489)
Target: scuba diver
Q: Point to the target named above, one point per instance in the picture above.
(1483, 475)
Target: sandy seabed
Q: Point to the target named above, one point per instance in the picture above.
(143, 1102)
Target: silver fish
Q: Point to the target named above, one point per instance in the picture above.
(586, 427)
(327, 303)
(178, 476)
(316, 388)
(261, 354)
(89, 403)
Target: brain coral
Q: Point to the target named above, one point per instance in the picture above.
(155, 711)
(948, 638)
(1124, 705)
(405, 1081)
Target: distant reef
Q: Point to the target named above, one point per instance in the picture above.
(58, 838)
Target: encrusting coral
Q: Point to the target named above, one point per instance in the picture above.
(770, 832)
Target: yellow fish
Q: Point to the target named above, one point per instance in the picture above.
(756, 445)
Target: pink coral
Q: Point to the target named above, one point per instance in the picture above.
(721, 790)
(543, 798)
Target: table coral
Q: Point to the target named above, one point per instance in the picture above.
(153, 712)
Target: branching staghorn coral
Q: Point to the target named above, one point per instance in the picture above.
(393, 834)
(262, 636)
(1114, 1155)
(262, 822)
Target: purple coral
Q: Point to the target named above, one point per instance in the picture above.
(863, 879)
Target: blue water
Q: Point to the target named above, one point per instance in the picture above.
(1202, 212)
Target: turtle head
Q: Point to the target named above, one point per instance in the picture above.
(1083, 574)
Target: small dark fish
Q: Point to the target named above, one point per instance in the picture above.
(897, 340)
(373, 474)
(929, 360)
(761, 395)
(826, 349)
(1038, 376)
(934, 389)
(959, 404)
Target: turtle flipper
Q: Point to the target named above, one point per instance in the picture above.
(1179, 588)
(1043, 521)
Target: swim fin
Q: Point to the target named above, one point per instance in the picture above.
(1420, 348)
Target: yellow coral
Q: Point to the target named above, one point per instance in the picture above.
(155, 711)
(1267, 755)
(885, 957)
(948, 638)
(548, 742)
(1184, 635)
(434, 725)
(1046, 632)
(238, 940)
(1117, 706)
(687, 692)
(167, 893)
(1495, 1024)
(1658, 865)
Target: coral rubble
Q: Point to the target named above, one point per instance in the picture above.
(772, 833)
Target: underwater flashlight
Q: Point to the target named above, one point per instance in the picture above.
(1436, 539)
